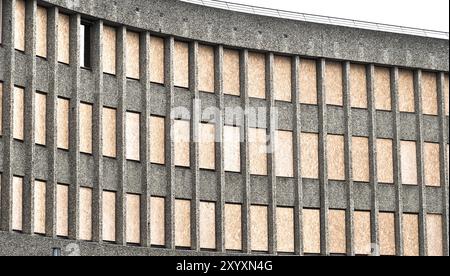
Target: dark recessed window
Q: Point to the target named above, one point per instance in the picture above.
(85, 45)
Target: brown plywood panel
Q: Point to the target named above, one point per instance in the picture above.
(408, 163)
(257, 75)
(231, 72)
(285, 230)
(40, 118)
(133, 219)
(337, 228)
(363, 238)
(85, 214)
(207, 147)
(336, 158)
(109, 49)
(310, 155)
(109, 216)
(429, 94)
(358, 86)
(360, 159)
(282, 79)
(64, 38)
(63, 123)
(19, 42)
(41, 32)
(385, 161)
(157, 59)
(333, 83)
(39, 207)
(109, 132)
(435, 235)
(311, 231)
(183, 223)
(308, 81)
(1, 108)
(133, 121)
(382, 89)
(259, 228)
(207, 225)
(258, 151)
(85, 128)
(158, 221)
(284, 154)
(18, 114)
(182, 138)
(181, 64)
(62, 210)
(206, 68)
(133, 55)
(157, 140)
(387, 234)
(406, 91)
(432, 164)
(410, 235)
(232, 149)
(446, 94)
(17, 203)
(233, 227)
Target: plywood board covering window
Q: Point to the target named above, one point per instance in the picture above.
(258, 151)
(232, 149)
(311, 231)
(62, 210)
(363, 238)
(336, 158)
(85, 214)
(181, 64)
(157, 221)
(408, 163)
(432, 164)
(41, 32)
(206, 68)
(182, 137)
(285, 230)
(39, 207)
(18, 113)
(385, 161)
(109, 132)
(308, 81)
(333, 83)
(231, 72)
(406, 91)
(86, 128)
(282, 79)
(446, 94)
(109, 216)
(358, 86)
(310, 155)
(63, 123)
(40, 118)
(133, 219)
(337, 228)
(157, 140)
(207, 147)
(133, 55)
(17, 206)
(257, 75)
(386, 228)
(19, 42)
(360, 159)
(233, 227)
(182, 223)
(109, 50)
(410, 235)
(284, 154)
(207, 225)
(382, 89)
(435, 234)
(429, 94)
(259, 228)
(63, 38)
(133, 121)
(157, 59)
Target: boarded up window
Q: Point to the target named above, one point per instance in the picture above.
(282, 79)
(387, 234)
(333, 83)
(183, 223)
(85, 128)
(308, 81)
(358, 86)
(258, 151)
(231, 71)
(360, 159)
(385, 161)
(109, 50)
(410, 235)
(63, 123)
(259, 228)
(157, 60)
(62, 210)
(17, 206)
(432, 164)
(232, 149)
(446, 94)
(206, 68)
(40, 117)
(19, 42)
(85, 214)
(18, 113)
(284, 154)
(39, 207)
(207, 225)
(109, 132)
(41, 32)
(207, 147)
(157, 140)
(182, 138)
(109, 216)
(233, 227)
(335, 156)
(382, 89)
(435, 234)
(181, 64)
(429, 94)
(363, 238)
(406, 91)
(310, 155)
(133, 55)
(133, 219)
(64, 38)
(311, 231)
(157, 221)
(409, 163)
(257, 75)
(285, 229)
(337, 228)
(132, 136)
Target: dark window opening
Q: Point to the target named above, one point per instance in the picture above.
(85, 47)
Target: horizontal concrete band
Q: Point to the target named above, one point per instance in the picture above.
(184, 20)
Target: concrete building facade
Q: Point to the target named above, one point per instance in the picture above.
(93, 162)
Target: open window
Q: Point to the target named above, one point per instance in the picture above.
(85, 44)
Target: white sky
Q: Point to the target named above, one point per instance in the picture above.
(430, 14)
